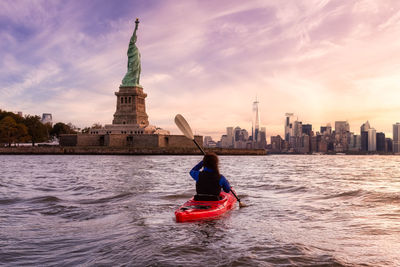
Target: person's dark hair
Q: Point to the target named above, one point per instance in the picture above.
(210, 161)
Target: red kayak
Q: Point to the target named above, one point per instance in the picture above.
(199, 210)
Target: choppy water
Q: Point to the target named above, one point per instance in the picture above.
(119, 210)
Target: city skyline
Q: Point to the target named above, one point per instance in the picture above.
(325, 61)
(314, 128)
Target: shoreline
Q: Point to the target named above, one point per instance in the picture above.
(100, 150)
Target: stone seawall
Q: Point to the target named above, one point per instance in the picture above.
(54, 150)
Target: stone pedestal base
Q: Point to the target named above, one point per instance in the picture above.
(131, 107)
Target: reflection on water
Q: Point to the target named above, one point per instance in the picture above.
(119, 210)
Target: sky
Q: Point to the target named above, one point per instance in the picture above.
(324, 61)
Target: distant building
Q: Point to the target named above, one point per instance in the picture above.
(304, 144)
(364, 136)
(365, 127)
(396, 138)
(342, 136)
(364, 141)
(228, 139)
(355, 142)
(262, 142)
(324, 144)
(47, 118)
(288, 126)
(307, 129)
(276, 144)
(236, 133)
(256, 121)
(297, 128)
(342, 126)
(224, 141)
(212, 143)
(380, 142)
(389, 145)
(229, 136)
(326, 130)
(241, 138)
(208, 141)
(371, 140)
(244, 135)
(314, 142)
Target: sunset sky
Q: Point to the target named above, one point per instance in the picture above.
(325, 61)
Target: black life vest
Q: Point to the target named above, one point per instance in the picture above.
(208, 184)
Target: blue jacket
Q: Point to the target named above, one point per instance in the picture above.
(222, 181)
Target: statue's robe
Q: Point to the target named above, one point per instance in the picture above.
(132, 76)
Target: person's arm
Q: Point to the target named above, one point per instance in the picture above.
(223, 182)
(196, 170)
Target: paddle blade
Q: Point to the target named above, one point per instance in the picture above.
(184, 126)
(242, 205)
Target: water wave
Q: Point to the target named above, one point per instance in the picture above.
(177, 196)
(347, 194)
(383, 197)
(9, 201)
(282, 188)
(44, 199)
(112, 198)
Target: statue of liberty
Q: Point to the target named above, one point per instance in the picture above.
(133, 74)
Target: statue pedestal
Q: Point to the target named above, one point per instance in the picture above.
(131, 107)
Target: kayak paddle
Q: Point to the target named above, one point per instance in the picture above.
(187, 131)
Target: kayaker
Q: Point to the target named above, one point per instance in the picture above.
(209, 181)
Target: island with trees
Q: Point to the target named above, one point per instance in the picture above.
(16, 129)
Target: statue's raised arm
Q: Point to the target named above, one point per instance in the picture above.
(134, 37)
(136, 26)
(132, 75)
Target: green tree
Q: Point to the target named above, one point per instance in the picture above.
(97, 125)
(49, 127)
(16, 117)
(61, 128)
(22, 134)
(86, 130)
(8, 130)
(36, 129)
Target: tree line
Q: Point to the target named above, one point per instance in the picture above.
(17, 129)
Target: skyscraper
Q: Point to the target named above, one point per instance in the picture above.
(262, 143)
(380, 142)
(288, 126)
(326, 130)
(297, 128)
(396, 137)
(342, 136)
(365, 127)
(364, 136)
(207, 141)
(364, 141)
(389, 145)
(341, 127)
(256, 122)
(307, 129)
(229, 136)
(47, 118)
(371, 139)
(237, 133)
